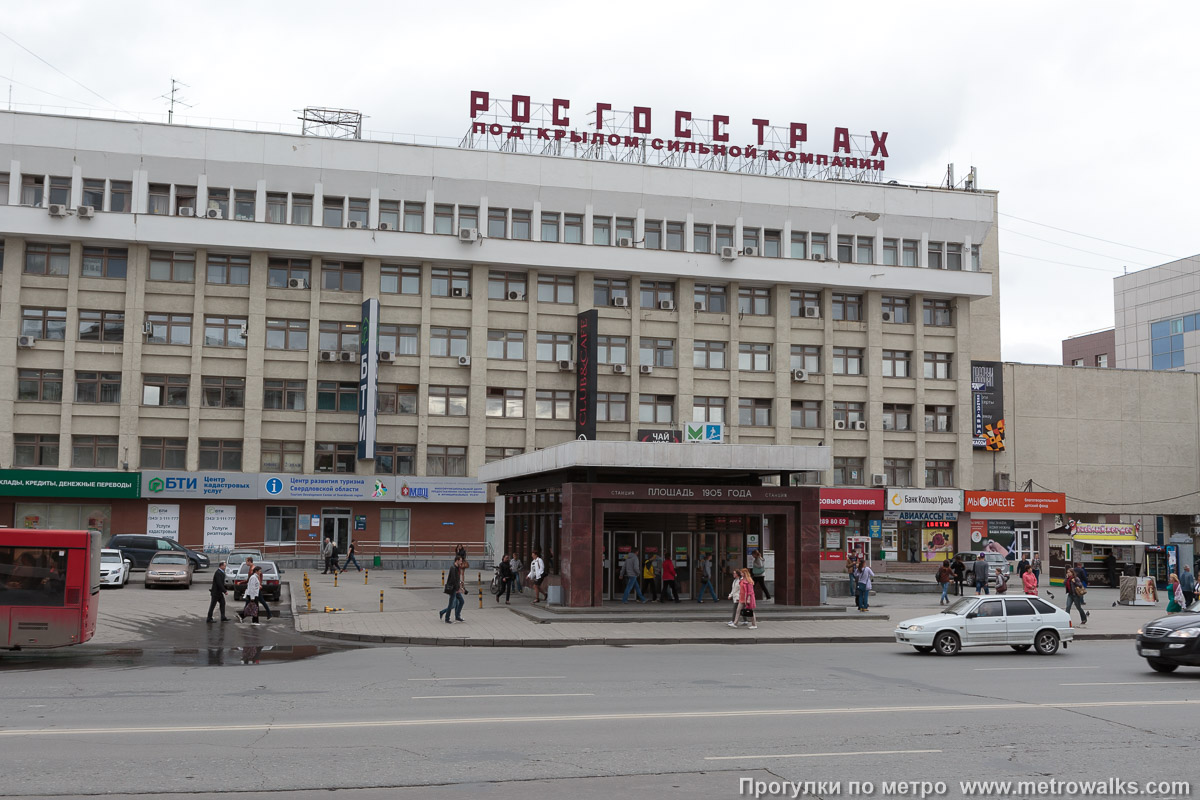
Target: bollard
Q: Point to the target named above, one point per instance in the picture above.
(481, 598)
(479, 579)
(381, 599)
(328, 609)
(443, 577)
(406, 577)
(335, 580)
(366, 576)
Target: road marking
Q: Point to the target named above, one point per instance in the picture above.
(649, 716)
(1129, 683)
(1010, 669)
(478, 696)
(820, 755)
(498, 678)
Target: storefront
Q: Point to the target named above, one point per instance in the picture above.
(1013, 524)
(851, 526)
(925, 523)
(64, 500)
(1090, 543)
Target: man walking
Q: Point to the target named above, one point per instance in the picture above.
(979, 570)
(631, 572)
(706, 574)
(668, 579)
(1187, 583)
(326, 551)
(758, 571)
(960, 574)
(350, 558)
(218, 593)
(516, 565)
(453, 590)
(333, 557)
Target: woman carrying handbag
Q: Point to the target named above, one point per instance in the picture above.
(748, 604)
(253, 588)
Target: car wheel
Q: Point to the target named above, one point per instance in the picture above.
(148, 586)
(1046, 643)
(1020, 648)
(946, 644)
(922, 648)
(1162, 666)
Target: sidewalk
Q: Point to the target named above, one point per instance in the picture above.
(410, 616)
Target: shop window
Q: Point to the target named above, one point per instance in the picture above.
(282, 522)
(394, 526)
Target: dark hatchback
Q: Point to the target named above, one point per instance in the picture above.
(139, 549)
(1168, 643)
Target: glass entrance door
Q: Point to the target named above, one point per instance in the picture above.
(680, 552)
(623, 544)
(335, 525)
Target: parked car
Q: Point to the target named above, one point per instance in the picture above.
(235, 558)
(139, 549)
(1168, 643)
(994, 560)
(169, 569)
(271, 589)
(1019, 621)
(114, 568)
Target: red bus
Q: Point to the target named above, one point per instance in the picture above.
(49, 587)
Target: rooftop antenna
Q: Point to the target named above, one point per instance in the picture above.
(172, 99)
(335, 123)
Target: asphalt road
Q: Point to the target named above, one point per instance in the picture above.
(598, 722)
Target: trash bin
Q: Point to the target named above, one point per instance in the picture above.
(824, 594)
(377, 562)
(554, 595)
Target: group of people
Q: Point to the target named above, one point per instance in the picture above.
(1182, 591)
(508, 574)
(252, 595)
(330, 553)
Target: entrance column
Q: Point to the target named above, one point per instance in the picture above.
(579, 568)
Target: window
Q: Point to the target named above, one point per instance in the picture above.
(394, 525)
(806, 413)
(120, 196)
(845, 249)
(243, 205)
(1166, 342)
(937, 366)
(47, 259)
(612, 407)
(612, 349)
(865, 252)
(389, 215)
(228, 269)
(468, 218)
(169, 329)
(939, 419)
(805, 298)
(452, 342)
(450, 282)
(549, 226)
(656, 407)
(335, 396)
(446, 401)
(221, 454)
(505, 402)
(359, 210)
(625, 229)
(395, 279)
(414, 217)
(749, 238)
(224, 331)
(847, 361)
(938, 313)
(281, 524)
(340, 276)
(939, 472)
(60, 189)
(35, 450)
(708, 409)
(218, 200)
(302, 209)
(799, 244)
(847, 471)
(909, 253)
(896, 309)
(44, 323)
(339, 336)
(552, 404)
(105, 262)
(97, 387)
(602, 230)
(896, 363)
(935, 255)
(497, 223)
(331, 212)
(276, 208)
(501, 284)
(658, 352)
(506, 345)
(1077, 362)
(445, 461)
(397, 398)
(754, 357)
(675, 232)
(1102, 360)
(897, 417)
(847, 307)
(898, 471)
(708, 355)
(702, 238)
(772, 244)
(521, 224)
(712, 297)
(158, 453)
(334, 456)
(176, 266)
(185, 197)
(556, 289)
(848, 412)
(975, 263)
(395, 459)
(94, 452)
(555, 347)
(653, 239)
(806, 357)
(573, 228)
(287, 334)
(954, 256)
(605, 290)
(221, 392)
(165, 390)
(278, 456)
(101, 326)
(40, 385)
(754, 411)
(282, 270)
(399, 339)
(818, 245)
(32, 190)
(656, 292)
(724, 237)
(3, 188)
(754, 300)
(284, 395)
(891, 254)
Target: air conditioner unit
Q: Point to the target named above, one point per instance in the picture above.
(812, 312)
(700, 305)
(147, 328)
(26, 341)
(839, 424)
(297, 283)
(347, 355)
(385, 226)
(515, 296)
(1196, 520)
(58, 210)
(887, 316)
(817, 257)
(621, 302)
(750, 251)
(468, 235)
(860, 425)
(356, 224)
(458, 291)
(800, 375)
(620, 369)
(878, 479)
(666, 305)
(566, 365)
(214, 213)
(464, 361)
(86, 212)
(186, 211)
(329, 355)
(728, 253)
(624, 241)
(646, 369)
(387, 356)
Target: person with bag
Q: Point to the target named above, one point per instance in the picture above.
(1029, 581)
(649, 586)
(506, 577)
(537, 574)
(1001, 580)
(253, 589)
(944, 575)
(960, 574)
(863, 575)
(1175, 602)
(1075, 591)
(758, 571)
(735, 594)
(452, 589)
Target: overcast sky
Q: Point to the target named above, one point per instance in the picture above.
(1082, 115)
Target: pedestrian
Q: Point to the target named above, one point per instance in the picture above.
(1187, 583)
(1175, 602)
(262, 597)
(749, 601)
(944, 576)
(333, 557)
(218, 593)
(1021, 566)
(1110, 570)
(1001, 580)
(705, 575)
(506, 577)
(960, 573)
(1029, 581)
(1036, 566)
(453, 590)
(980, 572)
(648, 578)
(631, 571)
(515, 563)
(350, 557)
(326, 550)
(735, 594)
(863, 575)
(851, 567)
(1073, 586)
(668, 579)
(460, 552)
(758, 571)
(1083, 576)
(253, 589)
(537, 574)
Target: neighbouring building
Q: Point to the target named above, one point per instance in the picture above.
(1157, 314)
(1096, 349)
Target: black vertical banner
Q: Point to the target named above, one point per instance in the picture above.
(585, 375)
(987, 401)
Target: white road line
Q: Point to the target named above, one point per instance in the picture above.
(480, 696)
(1010, 669)
(1131, 683)
(498, 678)
(648, 716)
(819, 755)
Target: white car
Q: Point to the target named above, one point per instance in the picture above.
(1019, 621)
(114, 568)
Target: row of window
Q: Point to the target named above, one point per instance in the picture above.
(282, 525)
(849, 471)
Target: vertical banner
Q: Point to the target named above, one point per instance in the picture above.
(987, 405)
(368, 378)
(585, 375)
(163, 520)
(220, 527)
